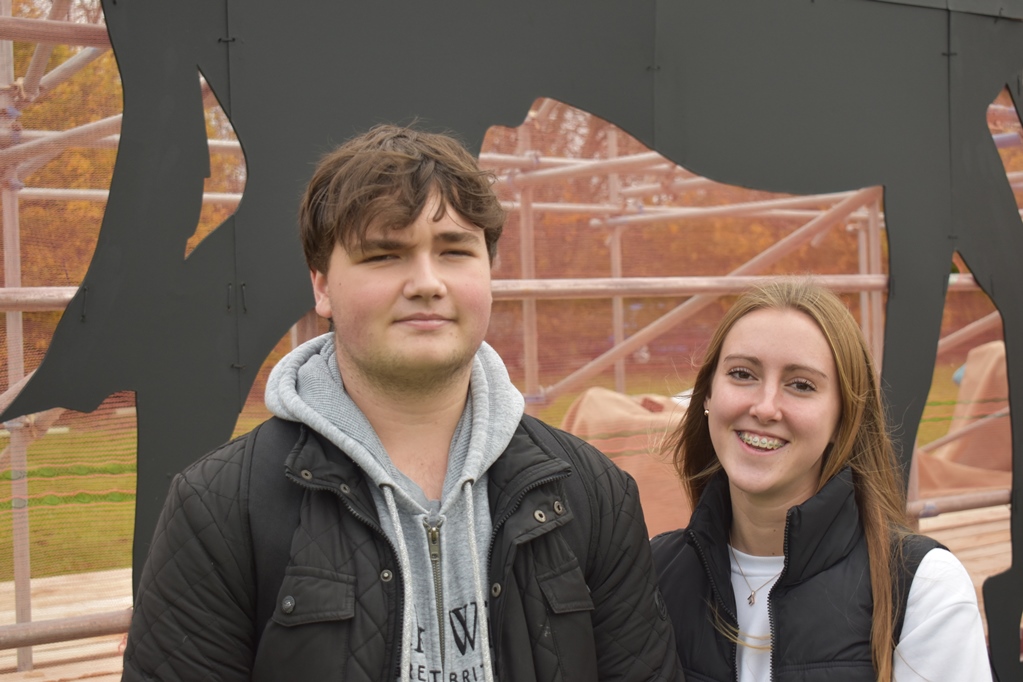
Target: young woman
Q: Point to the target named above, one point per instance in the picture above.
(797, 563)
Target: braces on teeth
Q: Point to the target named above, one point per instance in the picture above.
(763, 443)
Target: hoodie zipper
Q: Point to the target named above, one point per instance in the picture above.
(433, 541)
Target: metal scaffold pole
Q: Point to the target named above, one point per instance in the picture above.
(18, 446)
(527, 254)
(617, 303)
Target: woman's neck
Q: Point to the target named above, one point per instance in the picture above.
(757, 528)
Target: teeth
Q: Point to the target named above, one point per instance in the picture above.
(762, 442)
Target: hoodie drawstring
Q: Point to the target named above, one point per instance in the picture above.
(488, 673)
(406, 579)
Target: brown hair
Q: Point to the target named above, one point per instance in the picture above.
(862, 442)
(384, 178)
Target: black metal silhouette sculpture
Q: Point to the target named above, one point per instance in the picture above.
(798, 96)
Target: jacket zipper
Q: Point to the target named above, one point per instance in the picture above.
(717, 593)
(770, 593)
(514, 507)
(497, 527)
(433, 540)
(373, 525)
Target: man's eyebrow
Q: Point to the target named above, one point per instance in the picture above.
(382, 244)
(460, 236)
(391, 243)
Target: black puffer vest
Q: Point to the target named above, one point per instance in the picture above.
(820, 608)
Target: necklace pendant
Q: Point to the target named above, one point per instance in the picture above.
(752, 598)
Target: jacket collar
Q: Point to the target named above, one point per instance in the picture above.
(818, 533)
(523, 464)
(823, 530)
(708, 533)
(316, 462)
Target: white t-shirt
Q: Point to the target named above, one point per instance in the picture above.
(942, 635)
(753, 661)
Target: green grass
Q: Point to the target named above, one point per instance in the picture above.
(941, 401)
(72, 538)
(81, 490)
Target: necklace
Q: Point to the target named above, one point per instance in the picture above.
(752, 598)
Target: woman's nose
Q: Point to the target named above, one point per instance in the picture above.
(765, 407)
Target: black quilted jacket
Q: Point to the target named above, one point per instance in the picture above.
(572, 598)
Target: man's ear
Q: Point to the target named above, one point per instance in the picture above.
(321, 293)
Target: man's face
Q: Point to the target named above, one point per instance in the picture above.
(411, 307)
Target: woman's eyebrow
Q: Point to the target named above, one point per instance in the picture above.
(750, 359)
(805, 368)
(795, 367)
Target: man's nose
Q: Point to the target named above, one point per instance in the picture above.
(424, 280)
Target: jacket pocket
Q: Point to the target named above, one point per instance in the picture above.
(312, 595)
(568, 633)
(566, 589)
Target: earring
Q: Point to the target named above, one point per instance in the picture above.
(706, 412)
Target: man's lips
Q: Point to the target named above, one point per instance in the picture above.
(424, 321)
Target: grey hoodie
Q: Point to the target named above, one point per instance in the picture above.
(443, 545)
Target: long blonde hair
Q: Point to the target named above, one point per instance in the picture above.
(862, 442)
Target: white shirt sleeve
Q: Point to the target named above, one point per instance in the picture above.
(942, 635)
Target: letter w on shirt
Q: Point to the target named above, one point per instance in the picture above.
(464, 633)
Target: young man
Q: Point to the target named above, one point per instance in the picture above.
(401, 519)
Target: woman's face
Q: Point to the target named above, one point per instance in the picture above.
(774, 406)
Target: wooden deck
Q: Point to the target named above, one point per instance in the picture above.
(979, 537)
(97, 659)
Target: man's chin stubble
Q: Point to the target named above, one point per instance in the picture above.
(422, 379)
